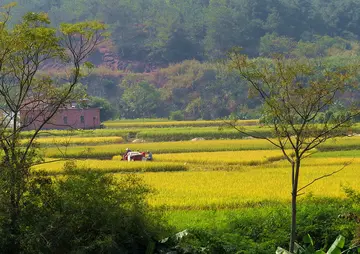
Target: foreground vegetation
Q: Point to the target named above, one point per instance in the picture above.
(233, 192)
(257, 228)
(74, 195)
(85, 212)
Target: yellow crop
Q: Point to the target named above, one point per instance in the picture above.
(56, 167)
(214, 173)
(233, 157)
(162, 147)
(67, 141)
(221, 189)
(328, 161)
(159, 124)
(341, 142)
(107, 151)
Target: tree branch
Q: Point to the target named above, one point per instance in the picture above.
(324, 176)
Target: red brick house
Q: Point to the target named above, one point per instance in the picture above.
(70, 117)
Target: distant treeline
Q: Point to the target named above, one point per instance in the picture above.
(170, 31)
(180, 39)
(188, 91)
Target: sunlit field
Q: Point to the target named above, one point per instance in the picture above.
(70, 141)
(217, 173)
(159, 133)
(101, 151)
(111, 166)
(243, 186)
(254, 157)
(249, 185)
(164, 123)
(107, 151)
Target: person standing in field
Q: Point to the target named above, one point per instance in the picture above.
(127, 153)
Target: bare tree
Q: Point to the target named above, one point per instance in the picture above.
(24, 50)
(295, 92)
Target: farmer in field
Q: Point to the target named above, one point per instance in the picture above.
(149, 158)
(127, 153)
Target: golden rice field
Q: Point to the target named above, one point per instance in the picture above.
(223, 189)
(111, 166)
(162, 147)
(158, 133)
(164, 123)
(206, 174)
(254, 157)
(110, 150)
(70, 140)
(170, 162)
(233, 189)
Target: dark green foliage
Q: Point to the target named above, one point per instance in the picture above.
(308, 247)
(149, 34)
(274, 44)
(86, 212)
(107, 111)
(261, 230)
(163, 32)
(354, 216)
(325, 212)
(140, 100)
(176, 115)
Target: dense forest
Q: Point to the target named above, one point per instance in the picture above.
(163, 56)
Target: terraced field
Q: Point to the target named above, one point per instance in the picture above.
(161, 123)
(202, 175)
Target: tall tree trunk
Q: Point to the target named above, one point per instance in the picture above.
(295, 181)
(293, 222)
(14, 229)
(14, 180)
(10, 175)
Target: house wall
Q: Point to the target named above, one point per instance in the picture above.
(71, 118)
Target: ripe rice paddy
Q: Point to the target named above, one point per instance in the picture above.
(110, 150)
(254, 157)
(107, 151)
(164, 123)
(158, 133)
(205, 174)
(236, 189)
(248, 183)
(110, 166)
(70, 140)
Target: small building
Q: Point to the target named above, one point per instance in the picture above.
(68, 117)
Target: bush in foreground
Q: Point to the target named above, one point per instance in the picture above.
(260, 230)
(87, 212)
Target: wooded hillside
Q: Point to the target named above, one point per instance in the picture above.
(168, 31)
(154, 37)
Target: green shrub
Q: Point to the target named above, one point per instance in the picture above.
(88, 212)
(177, 115)
(261, 230)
